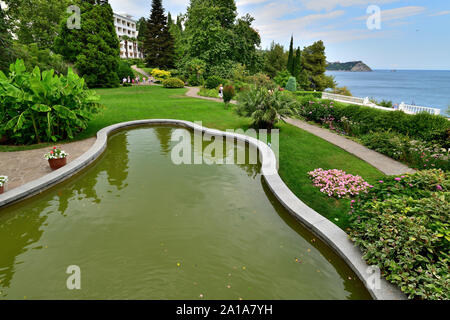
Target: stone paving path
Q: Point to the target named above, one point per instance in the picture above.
(24, 166)
(383, 163)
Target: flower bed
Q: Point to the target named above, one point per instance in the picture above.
(338, 183)
(402, 226)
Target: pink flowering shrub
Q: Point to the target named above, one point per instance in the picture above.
(338, 183)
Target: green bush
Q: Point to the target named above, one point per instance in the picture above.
(402, 226)
(282, 78)
(213, 82)
(264, 107)
(42, 58)
(173, 83)
(125, 71)
(342, 91)
(315, 94)
(228, 94)
(212, 93)
(261, 80)
(291, 84)
(195, 80)
(38, 107)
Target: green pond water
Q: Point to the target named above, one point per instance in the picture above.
(141, 227)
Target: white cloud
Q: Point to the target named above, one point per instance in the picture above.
(249, 2)
(141, 8)
(442, 13)
(398, 13)
(328, 5)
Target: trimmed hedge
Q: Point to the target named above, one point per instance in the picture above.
(315, 94)
(173, 83)
(423, 126)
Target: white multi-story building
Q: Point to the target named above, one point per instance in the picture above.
(126, 27)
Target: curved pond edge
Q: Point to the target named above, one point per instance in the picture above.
(319, 225)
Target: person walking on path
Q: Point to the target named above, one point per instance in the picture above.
(221, 91)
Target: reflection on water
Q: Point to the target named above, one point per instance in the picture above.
(141, 227)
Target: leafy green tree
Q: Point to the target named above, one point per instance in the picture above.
(37, 21)
(290, 62)
(5, 42)
(176, 30)
(204, 36)
(94, 49)
(213, 34)
(314, 64)
(158, 42)
(228, 12)
(275, 60)
(245, 41)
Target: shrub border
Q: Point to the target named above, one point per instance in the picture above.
(319, 225)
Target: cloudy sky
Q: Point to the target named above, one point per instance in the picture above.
(413, 34)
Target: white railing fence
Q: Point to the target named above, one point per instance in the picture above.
(406, 108)
(410, 109)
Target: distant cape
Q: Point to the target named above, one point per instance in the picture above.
(353, 66)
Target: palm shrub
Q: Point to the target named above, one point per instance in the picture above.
(228, 94)
(38, 107)
(291, 84)
(265, 107)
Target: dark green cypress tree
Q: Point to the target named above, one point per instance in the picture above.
(297, 64)
(158, 43)
(169, 19)
(290, 64)
(5, 43)
(93, 49)
(141, 28)
(179, 22)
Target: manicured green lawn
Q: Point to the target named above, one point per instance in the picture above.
(300, 151)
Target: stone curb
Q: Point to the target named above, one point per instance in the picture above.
(319, 225)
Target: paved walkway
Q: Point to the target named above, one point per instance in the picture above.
(383, 163)
(24, 166)
(149, 76)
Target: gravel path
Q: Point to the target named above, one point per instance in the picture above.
(383, 163)
(24, 166)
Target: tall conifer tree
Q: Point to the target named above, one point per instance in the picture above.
(290, 64)
(297, 64)
(158, 42)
